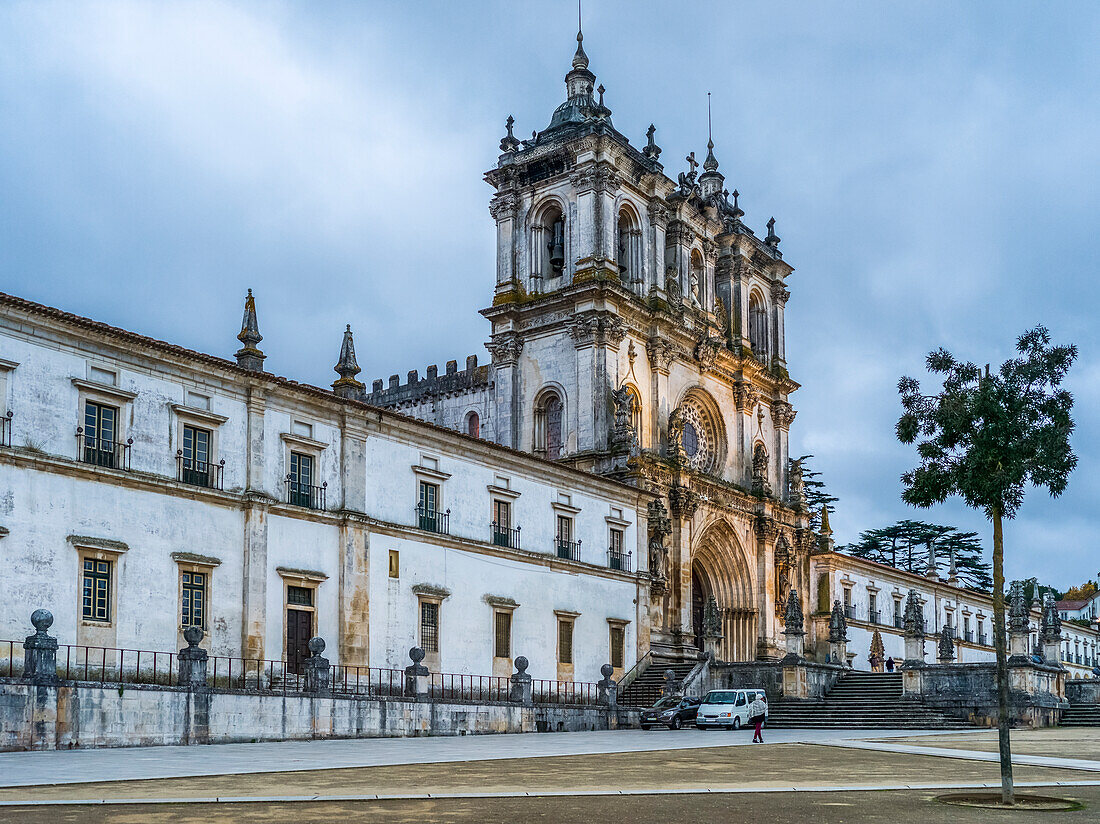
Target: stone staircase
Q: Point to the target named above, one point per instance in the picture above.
(861, 700)
(1081, 715)
(644, 690)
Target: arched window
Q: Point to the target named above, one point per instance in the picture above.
(758, 327)
(473, 425)
(696, 285)
(630, 250)
(547, 246)
(636, 413)
(548, 425)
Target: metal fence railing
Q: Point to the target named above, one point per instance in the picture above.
(110, 665)
(457, 687)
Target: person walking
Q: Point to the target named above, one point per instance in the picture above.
(757, 709)
(890, 664)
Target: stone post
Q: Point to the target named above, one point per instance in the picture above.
(945, 649)
(670, 686)
(520, 692)
(192, 661)
(317, 671)
(607, 691)
(911, 669)
(416, 676)
(40, 650)
(838, 635)
(1050, 631)
(1017, 623)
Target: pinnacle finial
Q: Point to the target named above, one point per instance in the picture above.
(738, 212)
(509, 143)
(651, 150)
(772, 239)
(347, 368)
(249, 356)
(825, 528)
(580, 59)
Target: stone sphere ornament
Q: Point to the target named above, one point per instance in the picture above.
(521, 664)
(41, 620)
(606, 670)
(316, 645)
(416, 654)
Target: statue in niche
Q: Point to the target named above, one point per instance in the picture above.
(694, 289)
(782, 575)
(798, 485)
(760, 484)
(722, 316)
(660, 527)
(676, 435)
(622, 432)
(672, 287)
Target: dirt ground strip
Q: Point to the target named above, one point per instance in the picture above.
(765, 767)
(884, 807)
(1069, 742)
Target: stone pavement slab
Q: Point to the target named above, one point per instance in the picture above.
(131, 763)
(1057, 742)
(969, 754)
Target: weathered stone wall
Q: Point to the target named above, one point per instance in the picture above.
(80, 715)
(969, 692)
(818, 678)
(1084, 691)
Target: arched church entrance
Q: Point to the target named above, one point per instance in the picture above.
(720, 568)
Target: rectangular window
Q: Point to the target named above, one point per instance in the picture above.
(429, 496)
(194, 599)
(565, 642)
(195, 460)
(427, 508)
(429, 626)
(299, 596)
(100, 434)
(96, 590)
(618, 643)
(502, 631)
(395, 564)
(616, 539)
(502, 514)
(300, 485)
(565, 528)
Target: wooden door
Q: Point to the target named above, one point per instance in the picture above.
(299, 629)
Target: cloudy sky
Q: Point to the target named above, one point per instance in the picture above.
(933, 168)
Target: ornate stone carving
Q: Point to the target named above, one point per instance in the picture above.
(660, 353)
(683, 502)
(745, 396)
(945, 649)
(594, 327)
(783, 569)
(838, 624)
(712, 624)
(613, 328)
(505, 348)
(623, 436)
(783, 414)
(503, 206)
(914, 616)
(797, 485)
(658, 215)
(1017, 608)
(1050, 627)
(760, 483)
(660, 527)
(672, 286)
(722, 316)
(794, 623)
(779, 292)
(706, 352)
(676, 436)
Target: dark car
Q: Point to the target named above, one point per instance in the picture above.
(670, 712)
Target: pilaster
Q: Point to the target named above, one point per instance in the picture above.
(254, 602)
(353, 645)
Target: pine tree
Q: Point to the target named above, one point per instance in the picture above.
(816, 494)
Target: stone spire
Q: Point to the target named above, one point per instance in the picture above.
(824, 532)
(580, 59)
(710, 181)
(249, 356)
(347, 386)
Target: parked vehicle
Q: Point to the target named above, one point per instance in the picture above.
(679, 713)
(652, 716)
(726, 709)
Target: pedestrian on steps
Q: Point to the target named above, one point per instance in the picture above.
(757, 709)
(890, 664)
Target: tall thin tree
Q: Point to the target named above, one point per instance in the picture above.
(985, 438)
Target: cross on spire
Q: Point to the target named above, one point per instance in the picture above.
(691, 161)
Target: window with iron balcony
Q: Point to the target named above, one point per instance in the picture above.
(501, 531)
(617, 558)
(428, 516)
(564, 544)
(300, 489)
(194, 464)
(98, 441)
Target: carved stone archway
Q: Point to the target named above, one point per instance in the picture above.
(721, 567)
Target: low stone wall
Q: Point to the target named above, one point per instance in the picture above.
(73, 714)
(1085, 691)
(812, 680)
(968, 692)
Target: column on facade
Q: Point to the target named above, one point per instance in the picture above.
(606, 189)
(768, 624)
(658, 222)
(354, 605)
(254, 595)
(584, 231)
(683, 505)
(505, 347)
(659, 355)
(740, 279)
(503, 208)
(539, 239)
(780, 295)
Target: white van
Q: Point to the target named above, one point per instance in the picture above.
(727, 709)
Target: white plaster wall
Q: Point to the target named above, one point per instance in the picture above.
(466, 631)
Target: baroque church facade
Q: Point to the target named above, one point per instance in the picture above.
(637, 332)
(614, 483)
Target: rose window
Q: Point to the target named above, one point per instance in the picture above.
(697, 438)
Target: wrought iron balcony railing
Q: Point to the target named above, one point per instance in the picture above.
(570, 550)
(968, 636)
(5, 429)
(504, 536)
(617, 559)
(432, 520)
(983, 640)
(305, 495)
(899, 622)
(874, 616)
(103, 452)
(199, 473)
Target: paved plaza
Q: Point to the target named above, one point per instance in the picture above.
(870, 775)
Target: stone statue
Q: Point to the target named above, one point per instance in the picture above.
(722, 316)
(792, 616)
(623, 436)
(760, 484)
(782, 574)
(797, 485)
(838, 624)
(945, 650)
(672, 286)
(712, 624)
(676, 435)
(914, 616)
(660, 527)
(694, 279)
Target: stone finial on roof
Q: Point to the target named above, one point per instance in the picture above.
(651, 150)
(825, 528)
(738, 212)
(793, 620)
(347, 368)
(580, 59)
(509, 143)
(772, 239)
(249, 356)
